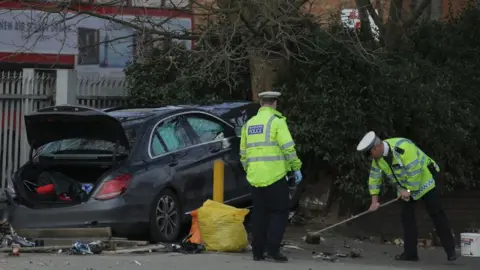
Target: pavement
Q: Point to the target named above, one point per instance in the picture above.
(375, 256)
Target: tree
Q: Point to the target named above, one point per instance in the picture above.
(265, 34)
(397, 22)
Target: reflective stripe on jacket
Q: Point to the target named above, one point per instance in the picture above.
(410, 167)
(267, 150)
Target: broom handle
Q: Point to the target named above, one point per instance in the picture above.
(350, 219)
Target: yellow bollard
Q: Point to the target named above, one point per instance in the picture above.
(218, 178)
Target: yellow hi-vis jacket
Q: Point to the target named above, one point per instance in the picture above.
(267, 150)
(409, 164)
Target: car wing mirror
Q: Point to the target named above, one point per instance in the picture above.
(215, 147)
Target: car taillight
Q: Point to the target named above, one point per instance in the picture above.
(114, 187)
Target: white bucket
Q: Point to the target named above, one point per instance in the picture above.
(470, 244)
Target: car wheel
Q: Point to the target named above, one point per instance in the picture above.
(165, 218)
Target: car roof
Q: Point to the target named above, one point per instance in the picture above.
(129, 116)
(130, 113)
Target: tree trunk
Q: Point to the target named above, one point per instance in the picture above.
(436, 10)
(394, 30)
(264, 72)
(365, 28)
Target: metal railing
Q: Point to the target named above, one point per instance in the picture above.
(29, 90)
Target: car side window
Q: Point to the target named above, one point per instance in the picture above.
(157, 146)
(170, 134)
(208, 130)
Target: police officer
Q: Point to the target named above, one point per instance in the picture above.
(267, 153)
(413, 173)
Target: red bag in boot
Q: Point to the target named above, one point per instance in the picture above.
(47, 189)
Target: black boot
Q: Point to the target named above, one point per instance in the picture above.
(404, 257)
(278, 257)
(258, 257)
(452, 256)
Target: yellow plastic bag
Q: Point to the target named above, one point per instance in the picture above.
(221, 227)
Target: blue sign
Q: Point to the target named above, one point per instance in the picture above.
(257, 129)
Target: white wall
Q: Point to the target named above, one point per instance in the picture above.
(28, 31)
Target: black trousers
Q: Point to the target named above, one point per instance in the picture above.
(270, 217)
(439, 218)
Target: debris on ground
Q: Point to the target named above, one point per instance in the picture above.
(313, 239)
(292, 247)
(78, 248)
(15, 250)
(14, 245)
(8, 237)
(325, 257)
(147, 249)
(334, 256)
(398, 242)
(296, 219)
(187, 247)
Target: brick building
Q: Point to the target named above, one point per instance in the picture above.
(438, 9)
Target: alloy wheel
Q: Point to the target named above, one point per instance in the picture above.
(167, 216)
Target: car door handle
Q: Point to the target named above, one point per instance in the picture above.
(214, 149)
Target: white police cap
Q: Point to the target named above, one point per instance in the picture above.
(368, 141)
(269, 94)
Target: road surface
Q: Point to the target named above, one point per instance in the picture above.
(299, 260)
(374, 256)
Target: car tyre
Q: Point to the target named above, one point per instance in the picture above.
(165, 217)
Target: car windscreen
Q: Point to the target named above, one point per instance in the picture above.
(86, 146)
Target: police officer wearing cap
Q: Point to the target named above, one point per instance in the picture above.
(413, 173)
(267, 153)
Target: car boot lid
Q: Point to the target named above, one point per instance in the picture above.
(68, 122)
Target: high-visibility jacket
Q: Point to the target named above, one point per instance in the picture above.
(267, 150)
(409, 163)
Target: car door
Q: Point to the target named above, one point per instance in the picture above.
(173, 149)
(217, 140)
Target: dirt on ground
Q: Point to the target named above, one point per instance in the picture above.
(335, 247)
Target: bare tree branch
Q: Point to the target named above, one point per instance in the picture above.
(416, 13)
(376, 18)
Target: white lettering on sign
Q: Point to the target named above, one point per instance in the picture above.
(7, 25)
(257, 129)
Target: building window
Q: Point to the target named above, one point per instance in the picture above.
(148, 3)
(88, 46)
(177, 3)
(145, 43)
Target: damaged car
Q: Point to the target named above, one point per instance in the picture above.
(139, 171)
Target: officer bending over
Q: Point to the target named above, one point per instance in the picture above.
(413, 173)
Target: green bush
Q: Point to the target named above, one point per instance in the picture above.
(426, 93)
(171, 77)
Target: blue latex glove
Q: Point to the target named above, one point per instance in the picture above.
(298, 177)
